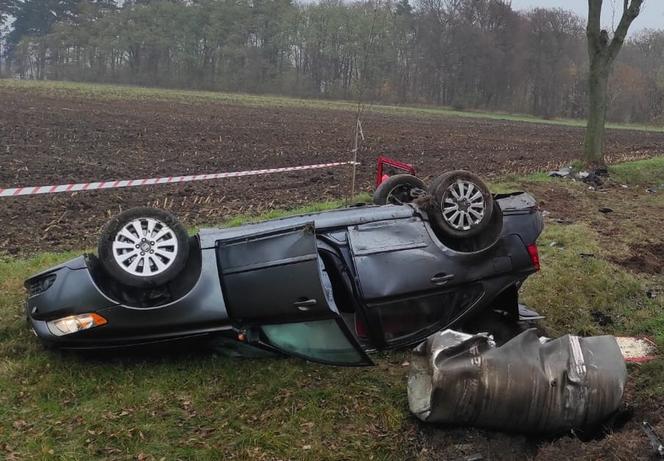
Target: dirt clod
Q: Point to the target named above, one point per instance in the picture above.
(647, 259)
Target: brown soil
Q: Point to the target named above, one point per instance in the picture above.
(625, 441)
(564, 205)
(647, 259)
(55, 140)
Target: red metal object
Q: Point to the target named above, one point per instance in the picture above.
(387, 161)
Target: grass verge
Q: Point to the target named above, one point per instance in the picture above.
(135, 93)
(199, 405)
(186, 405)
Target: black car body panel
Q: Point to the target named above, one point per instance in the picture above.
(378, 274)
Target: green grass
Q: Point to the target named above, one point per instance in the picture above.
(644, 172)
(511, 183)
(206, 406)
(186, 406)
(279, 213)
(135, 93)
(577, 279)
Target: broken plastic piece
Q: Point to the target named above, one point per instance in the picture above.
(637, 350)
(655, 441)
(561, 172)
(527, 314)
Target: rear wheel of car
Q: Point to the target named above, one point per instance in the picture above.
(144, 247)
(461, 205)
(398, 189)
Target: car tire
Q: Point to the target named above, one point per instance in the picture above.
(144, 247)
(396, 190)
(460, 205)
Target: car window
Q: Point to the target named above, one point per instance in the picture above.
(423, 315)
(319, 340)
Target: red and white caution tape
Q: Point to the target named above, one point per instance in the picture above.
(33, 190)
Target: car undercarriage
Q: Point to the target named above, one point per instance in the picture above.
(327, 286)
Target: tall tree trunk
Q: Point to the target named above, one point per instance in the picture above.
(602, 53)
(597, 99)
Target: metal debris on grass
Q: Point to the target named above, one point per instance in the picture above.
(529, 385)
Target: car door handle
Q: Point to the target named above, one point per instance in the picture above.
(305, 304)
(441, 279)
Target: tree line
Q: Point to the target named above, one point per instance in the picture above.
(468, 54)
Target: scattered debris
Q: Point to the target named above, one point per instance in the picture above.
(606, 209)
(555, 244)
(651, 190)
(587, 255)
(651, 293)
(591, 178)
(561, 172)
(594, 178)
(637, 349)
(526, 314)
(600, 318)
(655, 441)
(573, 383)
(601, 171)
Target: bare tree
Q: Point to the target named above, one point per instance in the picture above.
(602, 53)
(475, 54)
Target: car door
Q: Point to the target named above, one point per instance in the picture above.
(409, 286)
(274, 283)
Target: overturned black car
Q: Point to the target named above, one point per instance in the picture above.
(327, 286)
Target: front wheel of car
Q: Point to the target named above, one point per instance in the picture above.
(461, 205)
(144, 247)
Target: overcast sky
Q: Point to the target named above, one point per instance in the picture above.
(652, 12)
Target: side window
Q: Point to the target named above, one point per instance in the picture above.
(407, 318)
(318, 340)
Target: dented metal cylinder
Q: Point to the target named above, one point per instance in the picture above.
(526, 385)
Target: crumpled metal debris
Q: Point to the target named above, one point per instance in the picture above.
(530, 384)
(561, 172)
(653, 438)
(593, 177)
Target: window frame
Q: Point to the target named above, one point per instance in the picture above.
(364, 358)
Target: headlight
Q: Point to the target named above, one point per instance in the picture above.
(74, 323)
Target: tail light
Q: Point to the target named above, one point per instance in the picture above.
(534, 256)
(360, 327)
